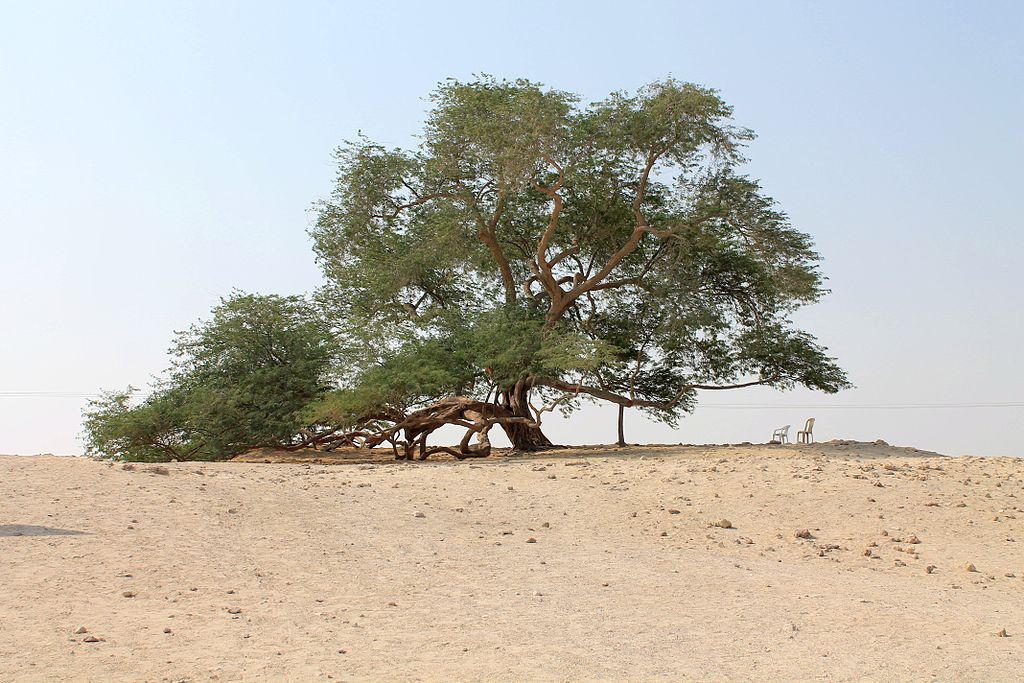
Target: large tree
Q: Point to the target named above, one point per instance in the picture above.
(533, 252)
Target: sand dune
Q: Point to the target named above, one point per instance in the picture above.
(839, 561)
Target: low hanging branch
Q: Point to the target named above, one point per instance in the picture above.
(407, 434)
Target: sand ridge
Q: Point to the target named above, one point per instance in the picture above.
(593, 564)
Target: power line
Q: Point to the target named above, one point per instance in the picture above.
(737, 406)
(862, 406)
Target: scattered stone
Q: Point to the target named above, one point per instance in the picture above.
(803, 533)
(167, 629)
(673, 511)
(929, 569)
(158, 469)
(392, 604)
(723, 524)
(1002, 633)
(911, 539)
(969, 567)
(664, 533)
(420, 515)
(531, 539)
(234, 610)
(546, 525)
(81, 629)
(91, 639)
(128, 594)
(127, 467)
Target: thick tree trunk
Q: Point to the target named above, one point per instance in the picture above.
(523, 437)
(622, 433)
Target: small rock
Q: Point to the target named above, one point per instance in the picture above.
(1002, 633)
(673, 511)
(420, 515)
(91, 639)
(128, 594)
(929, 569)
(81, 629)
(664, 533)
(128, 467)
(157, 469)
(546, 525)
(531, 539)
(803, 533)
(969, 567)
(167, 629)
(392, 604)
(234, 610)
(723, 524)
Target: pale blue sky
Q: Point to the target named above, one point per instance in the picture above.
(154, 155)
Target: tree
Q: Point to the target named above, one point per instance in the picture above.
(240, 380)
(536, 250)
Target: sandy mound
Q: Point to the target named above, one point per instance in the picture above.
(731, 562)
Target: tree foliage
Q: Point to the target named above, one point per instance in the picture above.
(242, 379)
(531, 253)
(613, 251)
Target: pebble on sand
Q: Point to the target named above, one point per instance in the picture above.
(723, 524)
(420, 515)
(802, 533)
(1002, 633)
(81, 629)
(531, 539)
(969, 567)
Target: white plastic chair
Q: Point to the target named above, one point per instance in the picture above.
(780, 435)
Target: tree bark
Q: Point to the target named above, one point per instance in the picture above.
(524, 437)
(622, 434)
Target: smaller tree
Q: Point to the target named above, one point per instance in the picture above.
(240, 380)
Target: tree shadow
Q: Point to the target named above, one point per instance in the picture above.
(33, 530)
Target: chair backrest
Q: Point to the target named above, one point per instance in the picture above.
(810, 424)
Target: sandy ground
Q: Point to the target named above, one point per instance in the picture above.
(589, 565)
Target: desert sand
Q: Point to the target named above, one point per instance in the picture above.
(837, 561)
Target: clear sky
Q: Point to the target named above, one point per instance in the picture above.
(155, 155)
